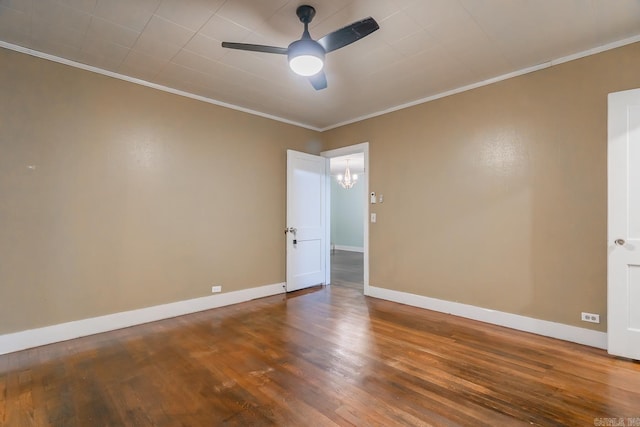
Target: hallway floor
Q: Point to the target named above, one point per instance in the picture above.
(347, 269)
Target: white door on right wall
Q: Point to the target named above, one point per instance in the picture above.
(624, 224)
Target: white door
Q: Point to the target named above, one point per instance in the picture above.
(624, 224)
(306, 220)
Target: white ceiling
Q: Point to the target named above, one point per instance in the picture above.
(423, 48)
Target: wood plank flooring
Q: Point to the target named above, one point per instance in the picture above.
(347, 269)
(320, 357)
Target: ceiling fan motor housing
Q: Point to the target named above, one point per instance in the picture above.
(309, 51)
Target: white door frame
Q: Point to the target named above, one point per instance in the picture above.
(338, 152)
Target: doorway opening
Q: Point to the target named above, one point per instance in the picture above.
(348, 217)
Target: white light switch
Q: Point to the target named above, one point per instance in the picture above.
(373, 217)
(373, 197)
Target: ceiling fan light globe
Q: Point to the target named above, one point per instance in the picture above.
(306, 65)
(306, 57)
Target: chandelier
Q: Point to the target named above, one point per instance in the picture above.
(347, 180)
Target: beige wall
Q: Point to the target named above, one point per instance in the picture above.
(138, 197)
(497, 197)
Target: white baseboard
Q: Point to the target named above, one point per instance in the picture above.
(65, 331)
(349, 248)
(514, 321)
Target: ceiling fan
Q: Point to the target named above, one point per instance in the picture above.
(306, 56)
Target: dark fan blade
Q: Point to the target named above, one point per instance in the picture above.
(349, 34)
(255, 47)
(319, 81)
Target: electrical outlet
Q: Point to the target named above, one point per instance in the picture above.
(216, 289)
(590, 317)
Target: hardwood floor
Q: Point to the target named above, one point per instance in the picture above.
(347, 269)
(320, 357)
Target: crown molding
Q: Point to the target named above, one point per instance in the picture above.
(551, 63)
(141, 82)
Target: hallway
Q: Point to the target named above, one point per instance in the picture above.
(347, 269)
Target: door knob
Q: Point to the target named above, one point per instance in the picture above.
(290, 230)
(619, 242)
